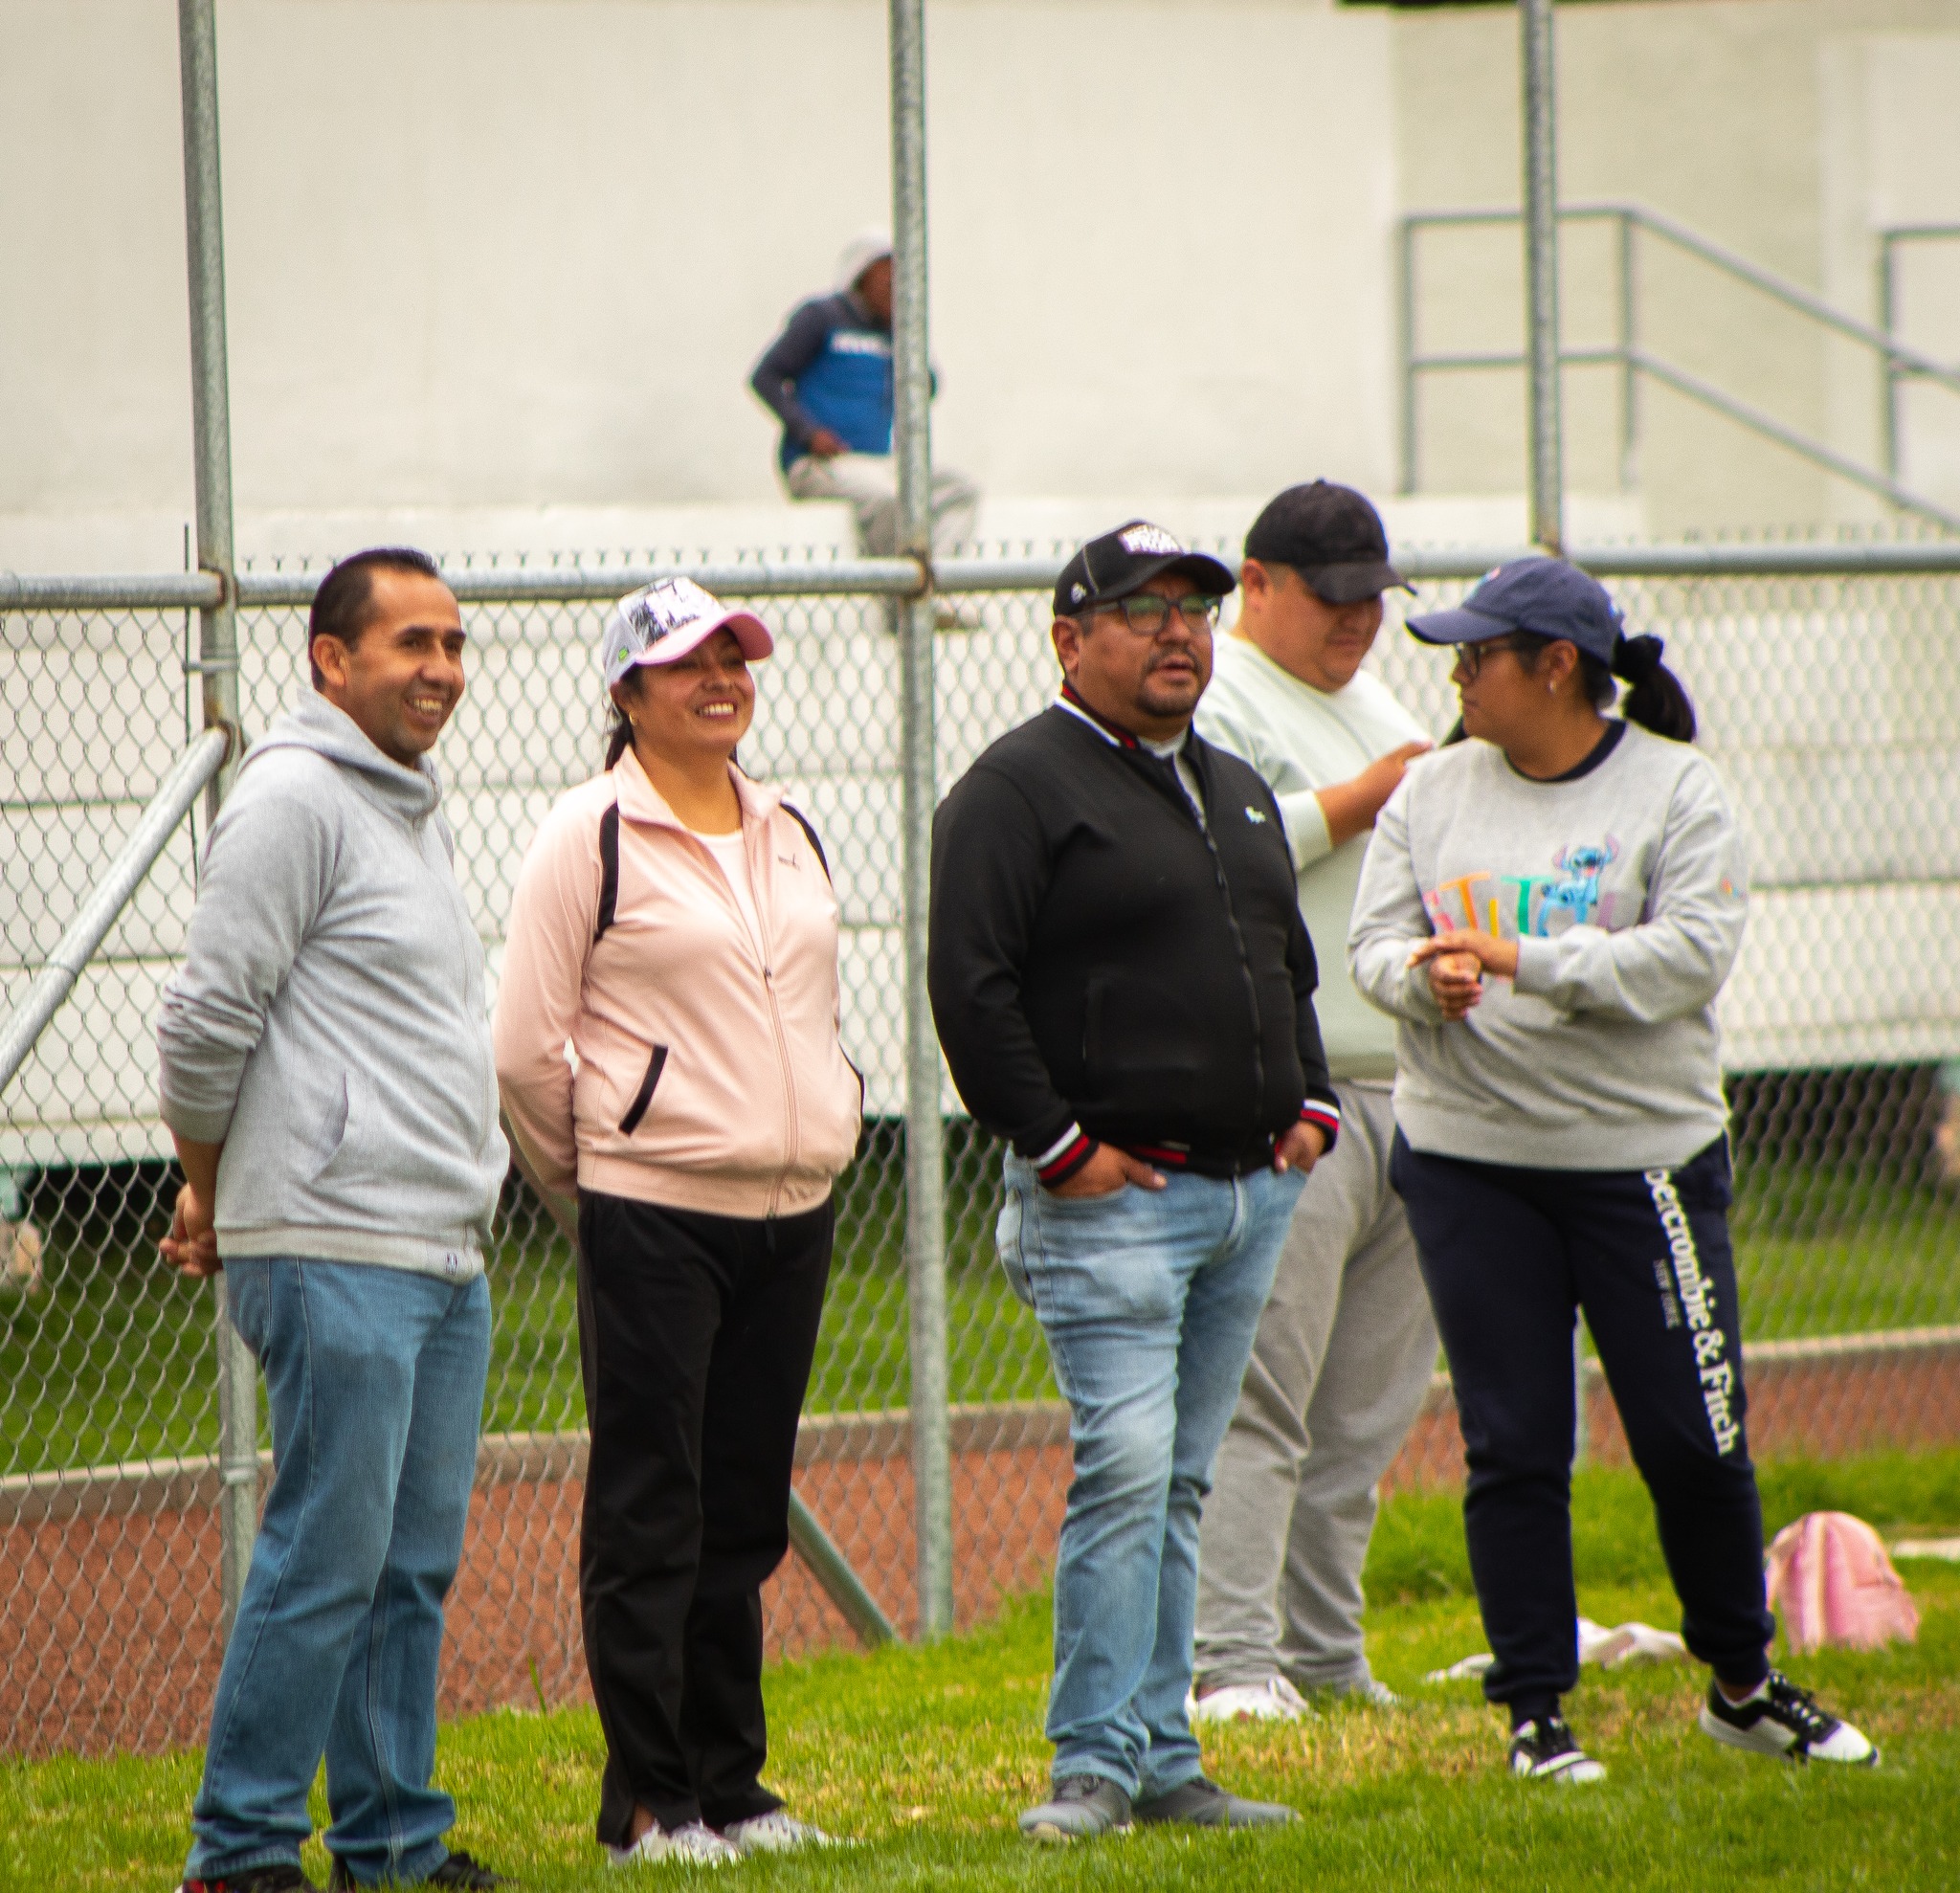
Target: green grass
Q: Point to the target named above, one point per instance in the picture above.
(925, 1756)
(1834, 1249)
(110, 1360)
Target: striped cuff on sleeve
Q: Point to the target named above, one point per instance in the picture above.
(1066, 1156)
(1324, 1118)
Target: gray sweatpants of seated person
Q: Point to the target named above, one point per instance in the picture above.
(1344, 1354)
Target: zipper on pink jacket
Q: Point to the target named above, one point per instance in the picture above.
(792, 1122)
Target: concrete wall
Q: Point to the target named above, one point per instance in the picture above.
(1789, 130)
(495, 254)
(491, 258)
(1891, 157)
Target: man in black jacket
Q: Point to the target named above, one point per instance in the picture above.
(1124, 991)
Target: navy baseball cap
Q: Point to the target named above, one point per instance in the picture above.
(1332, 537)
(1120, 563)
(1546, 597)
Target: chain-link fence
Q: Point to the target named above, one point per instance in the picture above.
(1832, 703)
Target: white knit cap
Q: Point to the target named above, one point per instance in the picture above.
(863, 250)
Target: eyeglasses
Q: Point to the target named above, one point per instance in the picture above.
(1471, 657)
(1147, 613)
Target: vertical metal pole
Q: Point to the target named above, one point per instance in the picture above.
(924, 1131)
(1541, 274)
(1629, 372)
(1888, 314)
(217, 648)
(1405, 336)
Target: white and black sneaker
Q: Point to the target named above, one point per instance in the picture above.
(1543, 1750)
(1780, 1719)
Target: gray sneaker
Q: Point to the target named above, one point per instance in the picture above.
(1082, 1807)
(1201, 1803)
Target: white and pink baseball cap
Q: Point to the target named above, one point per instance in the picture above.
(662, 622)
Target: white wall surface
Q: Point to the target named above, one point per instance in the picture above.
(1732, 117)
(516, 254)
(1891, 158)
(503, 265)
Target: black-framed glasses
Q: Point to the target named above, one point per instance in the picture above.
(1471, 657)
(1147, 613)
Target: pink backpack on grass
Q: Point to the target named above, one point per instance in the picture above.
(1831, 1581)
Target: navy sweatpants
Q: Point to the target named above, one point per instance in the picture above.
(1508, 1254)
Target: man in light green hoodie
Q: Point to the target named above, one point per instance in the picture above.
(327, 1074)
(1345, 1347)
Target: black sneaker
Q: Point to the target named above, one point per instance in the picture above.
(1082, 1807)
(466, 1875)
(1543, 1750)
(1780, 1719)
(281, 1876)
(458, 1871)
(1201, 1803)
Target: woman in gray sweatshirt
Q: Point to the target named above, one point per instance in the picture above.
(1549, 909)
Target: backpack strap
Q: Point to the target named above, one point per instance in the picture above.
(802, 821)
(609, 870)
(609, 861)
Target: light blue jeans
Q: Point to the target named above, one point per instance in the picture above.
(376, 1380)
(1149, 1300)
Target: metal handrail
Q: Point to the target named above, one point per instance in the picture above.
(1889, 241)
(110, 895)
(1899, 360)
(1730, 262)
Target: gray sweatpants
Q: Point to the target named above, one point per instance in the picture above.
(1345, 1353)
(870, 482)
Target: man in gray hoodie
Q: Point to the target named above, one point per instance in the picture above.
(327, 1078)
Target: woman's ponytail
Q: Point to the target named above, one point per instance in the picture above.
(1655, 698)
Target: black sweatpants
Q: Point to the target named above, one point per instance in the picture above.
(696, 1333)
(1508, 1254)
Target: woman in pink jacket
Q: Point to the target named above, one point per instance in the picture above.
(675, 922)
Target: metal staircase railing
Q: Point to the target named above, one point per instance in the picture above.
(1891, 243)
(1899, 361)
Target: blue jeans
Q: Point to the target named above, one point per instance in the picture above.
(1149, 1300)
(375, 1379)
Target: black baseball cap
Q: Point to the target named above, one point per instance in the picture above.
(1120, 563)
(1548, 597)
(1331, 536)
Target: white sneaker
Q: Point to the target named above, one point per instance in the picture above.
(1275, 1699)
(695, 1845)
(1780, 1719)
(1371, 1691)
(1544, 1750)
(775, 1833)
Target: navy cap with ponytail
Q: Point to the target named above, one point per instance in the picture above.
(1551, 599)
(1655, 698)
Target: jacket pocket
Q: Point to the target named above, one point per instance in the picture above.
(345, 1157)
(644, 1096)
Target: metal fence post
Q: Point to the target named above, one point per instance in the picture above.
(1629, 366)
(1541, 272)
(217, 666)
(1888, 364)
(1405, 343)
(924, 1130)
